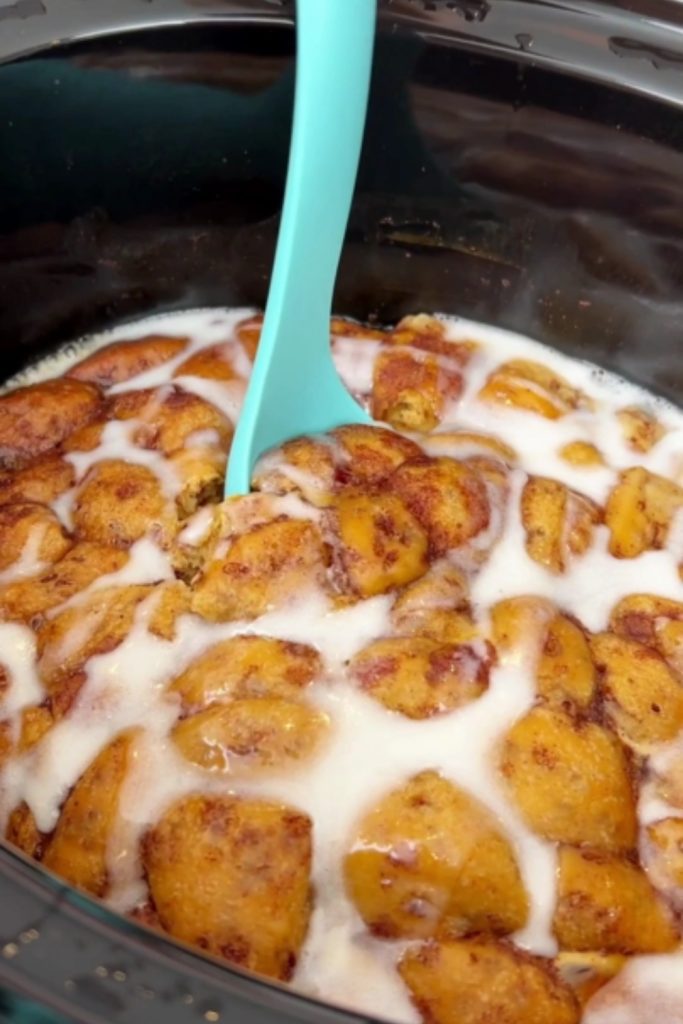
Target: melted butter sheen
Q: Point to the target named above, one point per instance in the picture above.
(370, 751)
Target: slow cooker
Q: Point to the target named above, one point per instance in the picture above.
(522, 165)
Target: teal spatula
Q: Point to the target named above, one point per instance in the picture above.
(294, 387)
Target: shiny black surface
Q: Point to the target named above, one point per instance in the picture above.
(523, 165)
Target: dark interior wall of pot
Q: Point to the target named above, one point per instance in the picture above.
(144, 172)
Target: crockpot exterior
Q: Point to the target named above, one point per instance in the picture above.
(523, 165)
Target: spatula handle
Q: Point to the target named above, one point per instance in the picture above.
(293, 387)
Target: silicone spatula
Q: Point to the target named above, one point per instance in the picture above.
(294, 388)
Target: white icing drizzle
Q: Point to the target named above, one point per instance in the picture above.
(202, 327)
(117, 443)
(337, 634)
(146, 563)
(157, 775)
(29, 562)
(197, 528)
(355, 360)
(202, 439)
(241, 363)
(537, 441)
(275, 462)
(62, 506)
(225, 395)
(649, 990)
(391, 748)
(595, 583)
(18, 659)
(652, 806)
(124, 689)
(369, 750)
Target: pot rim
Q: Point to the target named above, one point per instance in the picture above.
(635, 45)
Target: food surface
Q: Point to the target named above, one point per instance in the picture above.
(402, 727)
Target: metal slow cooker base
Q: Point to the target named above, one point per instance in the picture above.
(523, 166)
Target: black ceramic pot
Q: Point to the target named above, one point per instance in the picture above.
(523, 166)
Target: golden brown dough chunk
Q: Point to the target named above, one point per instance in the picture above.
(565, 672)
(23, 832)
(233, 877)
(39, 417)
(169, 422)
(134, 404)
(63, 696)
(582, 453)
(425, 332)
(80, 566)
(215, 362)
(100, 621)
(463, 444)
(119, 502)
(558, 522)
(447, 497)
(640, 428)
(36, 720)
(370, 454)
(244, 667)
(77, 850)
(494, 472)
(190, 549)
(41, 481)
(431, 859)
(639, 512)
(122, 360)
(532, 387)
(420, 677)
(263, 569)
(655, 621)
(418, 326)
(251, 734)
(304, 466)
(201, 472)
(479, 981)
(410, 392)
(436, 606)
(31, 528)
(606, 903)
(519, 626)
(342, 328)
(570, 780)
(663, 856)
(356, 456)
(248, 333)
(86, 438)
(169, 418)
(586, 973)
(643, 697)
(6, 742)
(237, 516)
(381, 545)
(443, 587)
(531, 629)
